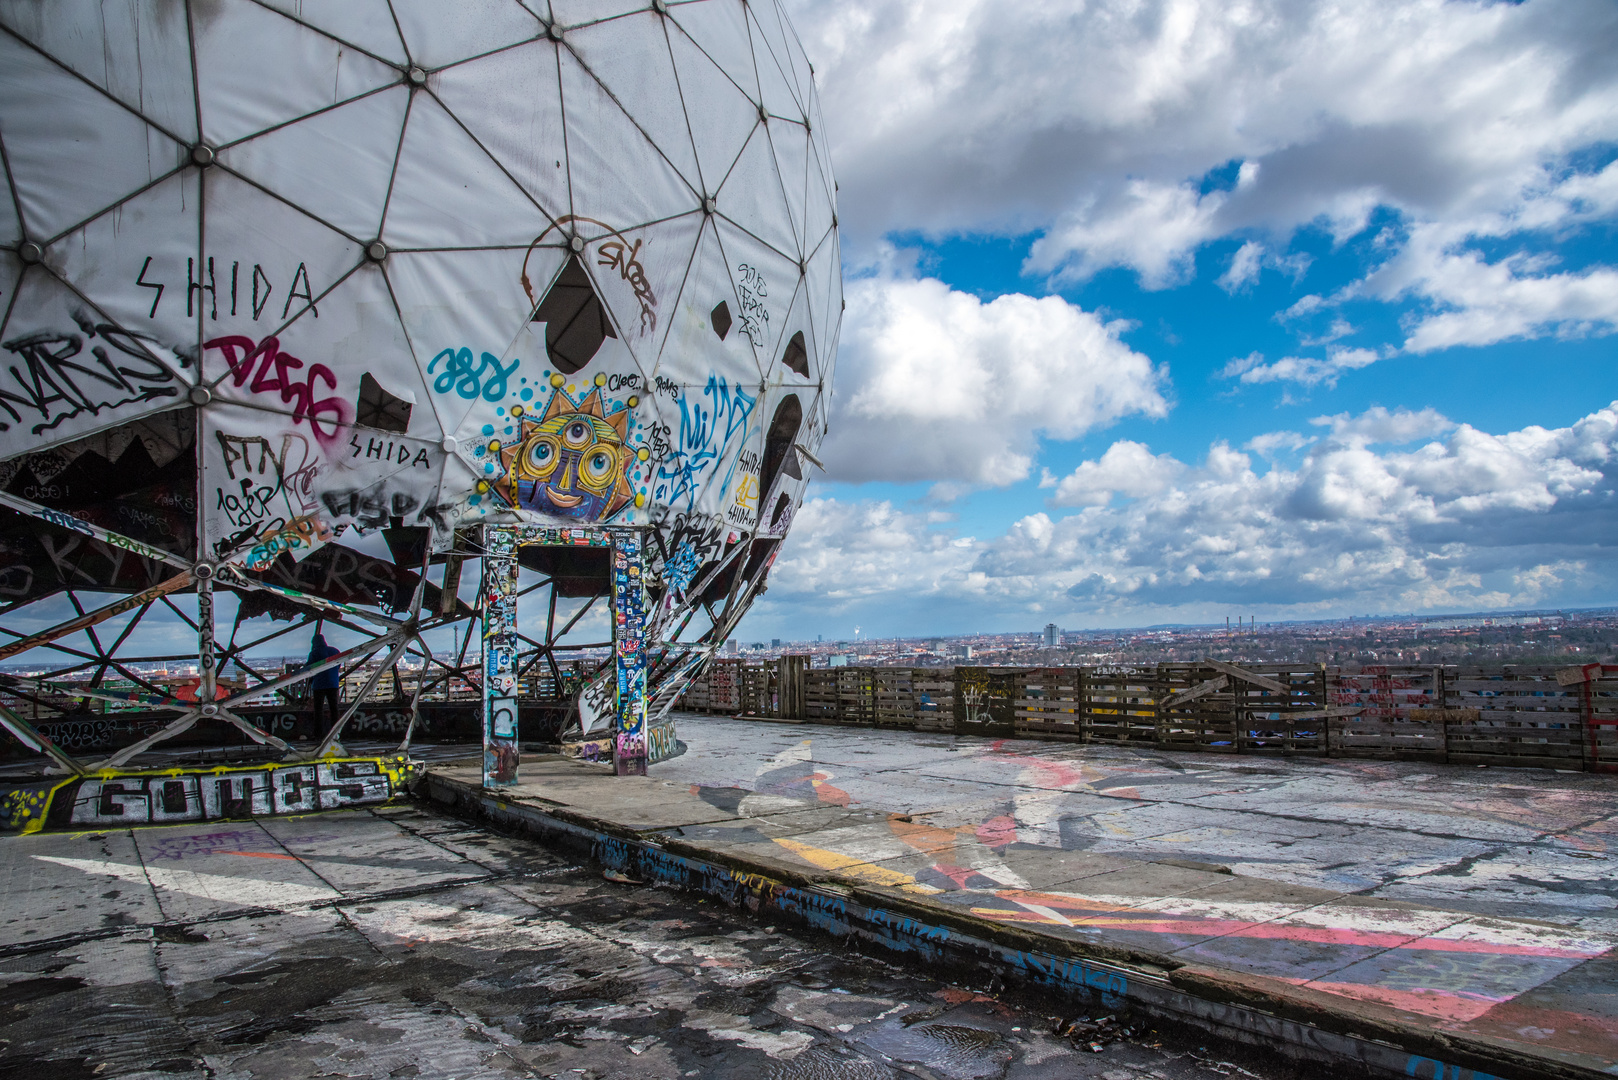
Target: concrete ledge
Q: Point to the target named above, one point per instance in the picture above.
(1306, 1024)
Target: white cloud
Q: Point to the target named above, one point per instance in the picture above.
(1251, 258)
(1244, 267)
(1152, 228)
(1472, 520)
(1379, 425)
(1476, 302)
(1271, 442)
(1301, 369)
(935, 384)
(1111, 127)
(1307, 305)
(1127, 468)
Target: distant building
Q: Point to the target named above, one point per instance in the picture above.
(775, 643)
(1053, 635)
(837, 660)
(730, 646)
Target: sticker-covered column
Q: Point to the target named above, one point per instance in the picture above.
(499, 656)
(629, 647)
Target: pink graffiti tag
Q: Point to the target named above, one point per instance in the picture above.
(274, 373)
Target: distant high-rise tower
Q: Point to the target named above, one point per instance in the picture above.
(1053, 635)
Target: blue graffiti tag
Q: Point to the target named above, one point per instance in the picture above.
(1425, 1068)
(706, 431)
(468, 381)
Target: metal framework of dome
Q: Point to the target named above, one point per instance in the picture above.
(539, 283)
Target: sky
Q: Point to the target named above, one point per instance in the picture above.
(1171, 311)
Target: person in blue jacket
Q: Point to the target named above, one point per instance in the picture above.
(325, 682)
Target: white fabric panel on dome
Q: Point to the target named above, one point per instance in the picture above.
(529, 400)
(470, 299)
(264, 478)
(825, 289)
(694, 348)
(439, 34)
(638, 274)
(796, 321)
(791, 145)
(140, 261)
(335, 164)
(817, 135)
(754, 197)
(10, 223)
(527, 142)
(311, 368)
(385, 475)
(257, 68)
(467, 318)
(780, 96)
(721, 117)
(618, 178)
(571, 13)
(73, 151)
(448, 193)
(282, 260)
(818, 202)
(630, 56)
(137, 53)
(765, 281)
(794, 63)
(719, 29)
(66, 374)
(366, 24)
(10, 274)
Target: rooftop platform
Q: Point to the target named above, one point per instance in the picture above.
(1456, 916)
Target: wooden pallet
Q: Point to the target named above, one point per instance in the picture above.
(1514, 715)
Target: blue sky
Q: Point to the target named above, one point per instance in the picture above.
(1167, 311)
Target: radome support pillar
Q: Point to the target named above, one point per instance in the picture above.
(499, 601)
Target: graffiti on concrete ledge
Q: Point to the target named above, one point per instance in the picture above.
(169, 796)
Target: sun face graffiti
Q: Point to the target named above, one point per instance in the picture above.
(573, 461)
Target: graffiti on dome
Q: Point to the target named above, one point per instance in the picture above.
(711, 422)
(265, 368)
(573, 461)
(52, 376)
(751, 289)
(246, 293)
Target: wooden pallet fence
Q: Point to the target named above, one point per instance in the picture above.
(856, 696)
(1530, 717)
(1051, 704)
(1515, 715)
(1214, 707)
(820, 695)
(1119, 705)
(1291, 720)
(1598, 691)
(1388, 712)
(895, 705)
(756, 689)
(985, 700)
(1196, 708)
(935, 698)
(724, 686)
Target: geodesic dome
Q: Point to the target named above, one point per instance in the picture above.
(328, 264)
